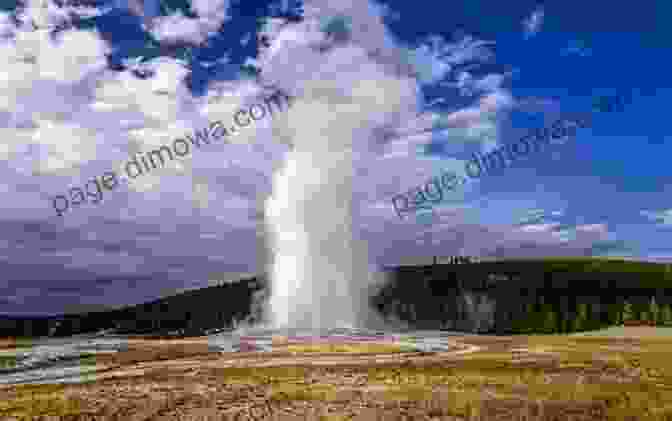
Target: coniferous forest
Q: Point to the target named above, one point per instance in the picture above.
(532, 296)
(502, 297)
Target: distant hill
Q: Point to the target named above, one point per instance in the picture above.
(443, 286)
(193, 312)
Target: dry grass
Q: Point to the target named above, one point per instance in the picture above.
(369, 348)
(510, 378)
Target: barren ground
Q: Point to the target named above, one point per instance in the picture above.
(554, 377)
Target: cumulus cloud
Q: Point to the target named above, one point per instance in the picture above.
(210, 15)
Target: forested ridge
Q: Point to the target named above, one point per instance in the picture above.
(506, 297)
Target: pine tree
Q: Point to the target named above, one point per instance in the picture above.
(581, 317)
(576, 324)
(655, 310)
(537, 320)
(550, 320)
(590, 319)
(660, 320)
(528, 320)
(627, 311)
(666, 315)
(582, 309)
(515, 324)
(616, 315)
(645, 316)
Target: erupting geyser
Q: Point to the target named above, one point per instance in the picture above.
(314, 278)
(320, 276)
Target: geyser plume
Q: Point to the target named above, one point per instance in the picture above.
(320, 275)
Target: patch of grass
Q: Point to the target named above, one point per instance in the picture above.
(296, 392)
(648, 395)
(30, 401)
(8, 361)
(262, 375)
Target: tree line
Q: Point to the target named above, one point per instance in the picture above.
(547, 318)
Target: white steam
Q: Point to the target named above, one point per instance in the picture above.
(321, 276)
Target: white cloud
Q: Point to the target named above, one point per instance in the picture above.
(178, 27)
(540, 227)
(68, 146)
(598, 228)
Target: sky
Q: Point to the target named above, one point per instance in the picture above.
(84, 85)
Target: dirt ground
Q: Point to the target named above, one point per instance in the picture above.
(552, 377)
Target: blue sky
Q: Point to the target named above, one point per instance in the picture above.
(431, 84)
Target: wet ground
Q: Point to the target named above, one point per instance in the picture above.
(349, 375)
(58, 360)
